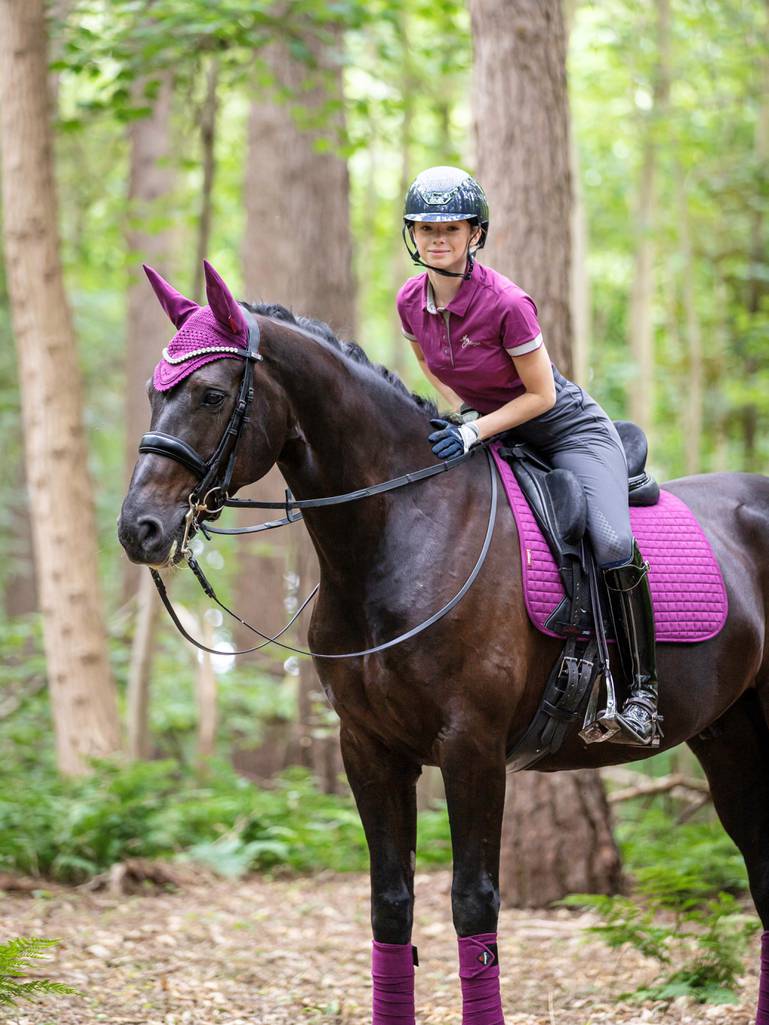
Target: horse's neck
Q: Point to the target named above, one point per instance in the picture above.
(352, 430)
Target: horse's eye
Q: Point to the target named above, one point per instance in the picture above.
(213, 398)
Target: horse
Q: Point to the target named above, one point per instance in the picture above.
(460, 695)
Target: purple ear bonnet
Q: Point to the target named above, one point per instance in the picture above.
(206, 333)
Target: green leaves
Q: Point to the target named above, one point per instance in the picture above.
(73, 829)
(17, 958)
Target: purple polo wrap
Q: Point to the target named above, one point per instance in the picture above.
(205, 333)
(762, 1012)
(479, 979)
(392, 973)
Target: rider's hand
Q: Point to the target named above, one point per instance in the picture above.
(449, 440)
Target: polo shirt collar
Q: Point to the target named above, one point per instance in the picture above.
(461, 300)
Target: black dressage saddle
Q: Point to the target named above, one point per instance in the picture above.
(559, 505)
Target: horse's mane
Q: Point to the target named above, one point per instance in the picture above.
(351, 350)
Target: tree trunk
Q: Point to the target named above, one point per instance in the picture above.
(757, 286)
(150, 183)
(580, 280)
(522, 132)
(522, 138)
(20, 593)
(61, 502)
(207, 698)
(298, 252)
(694, 385)
(297, 248)
(566, 820)
(138, 689)
(208, 147)
(401, 264)
(641, 395)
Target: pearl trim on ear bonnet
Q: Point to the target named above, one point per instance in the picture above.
(205, 333)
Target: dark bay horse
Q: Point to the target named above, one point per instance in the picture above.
(463, 691)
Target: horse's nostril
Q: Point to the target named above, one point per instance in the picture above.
(148, 529)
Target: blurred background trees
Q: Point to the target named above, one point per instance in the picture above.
(279, 139)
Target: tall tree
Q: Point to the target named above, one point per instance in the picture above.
(61, 501)
(522, 135)
(149, 239)
(642, 292)
(757, 275)
(297, 247)
(297, 251)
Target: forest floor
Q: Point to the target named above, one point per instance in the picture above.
(295, 951)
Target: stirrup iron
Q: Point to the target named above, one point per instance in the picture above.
(601, 726)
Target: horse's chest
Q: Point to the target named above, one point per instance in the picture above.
(377, 700)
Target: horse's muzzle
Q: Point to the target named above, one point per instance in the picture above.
(147, 540)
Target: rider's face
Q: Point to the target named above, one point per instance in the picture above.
(444, 244)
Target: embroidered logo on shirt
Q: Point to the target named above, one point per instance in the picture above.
(465, 341)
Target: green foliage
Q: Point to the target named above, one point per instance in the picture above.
(707, 940)
(72, 829)
(17, 958)
(679, 862)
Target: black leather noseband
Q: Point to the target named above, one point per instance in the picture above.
(174, 448)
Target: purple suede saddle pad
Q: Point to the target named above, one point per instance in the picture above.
(688, 590)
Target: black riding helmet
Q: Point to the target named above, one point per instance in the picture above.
(445, 194)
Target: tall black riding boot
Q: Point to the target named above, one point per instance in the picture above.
(632, 613)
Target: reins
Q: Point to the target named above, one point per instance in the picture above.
(210, 496)
(267, 639)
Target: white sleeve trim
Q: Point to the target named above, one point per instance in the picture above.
(411, 338)
(524, 347)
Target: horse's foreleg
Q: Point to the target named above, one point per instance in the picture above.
(736, 762)
(384, 787)
(474, 778)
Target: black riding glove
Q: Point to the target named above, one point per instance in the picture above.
(449, 440)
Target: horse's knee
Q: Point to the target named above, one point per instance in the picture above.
(475, 906)
(391, 915)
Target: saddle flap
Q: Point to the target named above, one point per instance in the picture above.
(569, 504)
(560, 511)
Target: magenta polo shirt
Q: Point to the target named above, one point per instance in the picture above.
(468, 345)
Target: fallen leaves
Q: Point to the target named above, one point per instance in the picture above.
(296, 952)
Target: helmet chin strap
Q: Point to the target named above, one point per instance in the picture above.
(415, 258)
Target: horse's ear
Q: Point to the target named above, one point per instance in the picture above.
(178, 307)
(224, 307)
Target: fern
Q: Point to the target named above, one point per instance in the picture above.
(17, 958)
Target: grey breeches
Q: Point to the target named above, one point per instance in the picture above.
(577, 435)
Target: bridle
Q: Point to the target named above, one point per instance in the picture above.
(215, 473)
(211, 494)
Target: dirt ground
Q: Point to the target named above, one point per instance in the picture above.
(293, 951)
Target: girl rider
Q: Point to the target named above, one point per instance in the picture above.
(476, 337)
